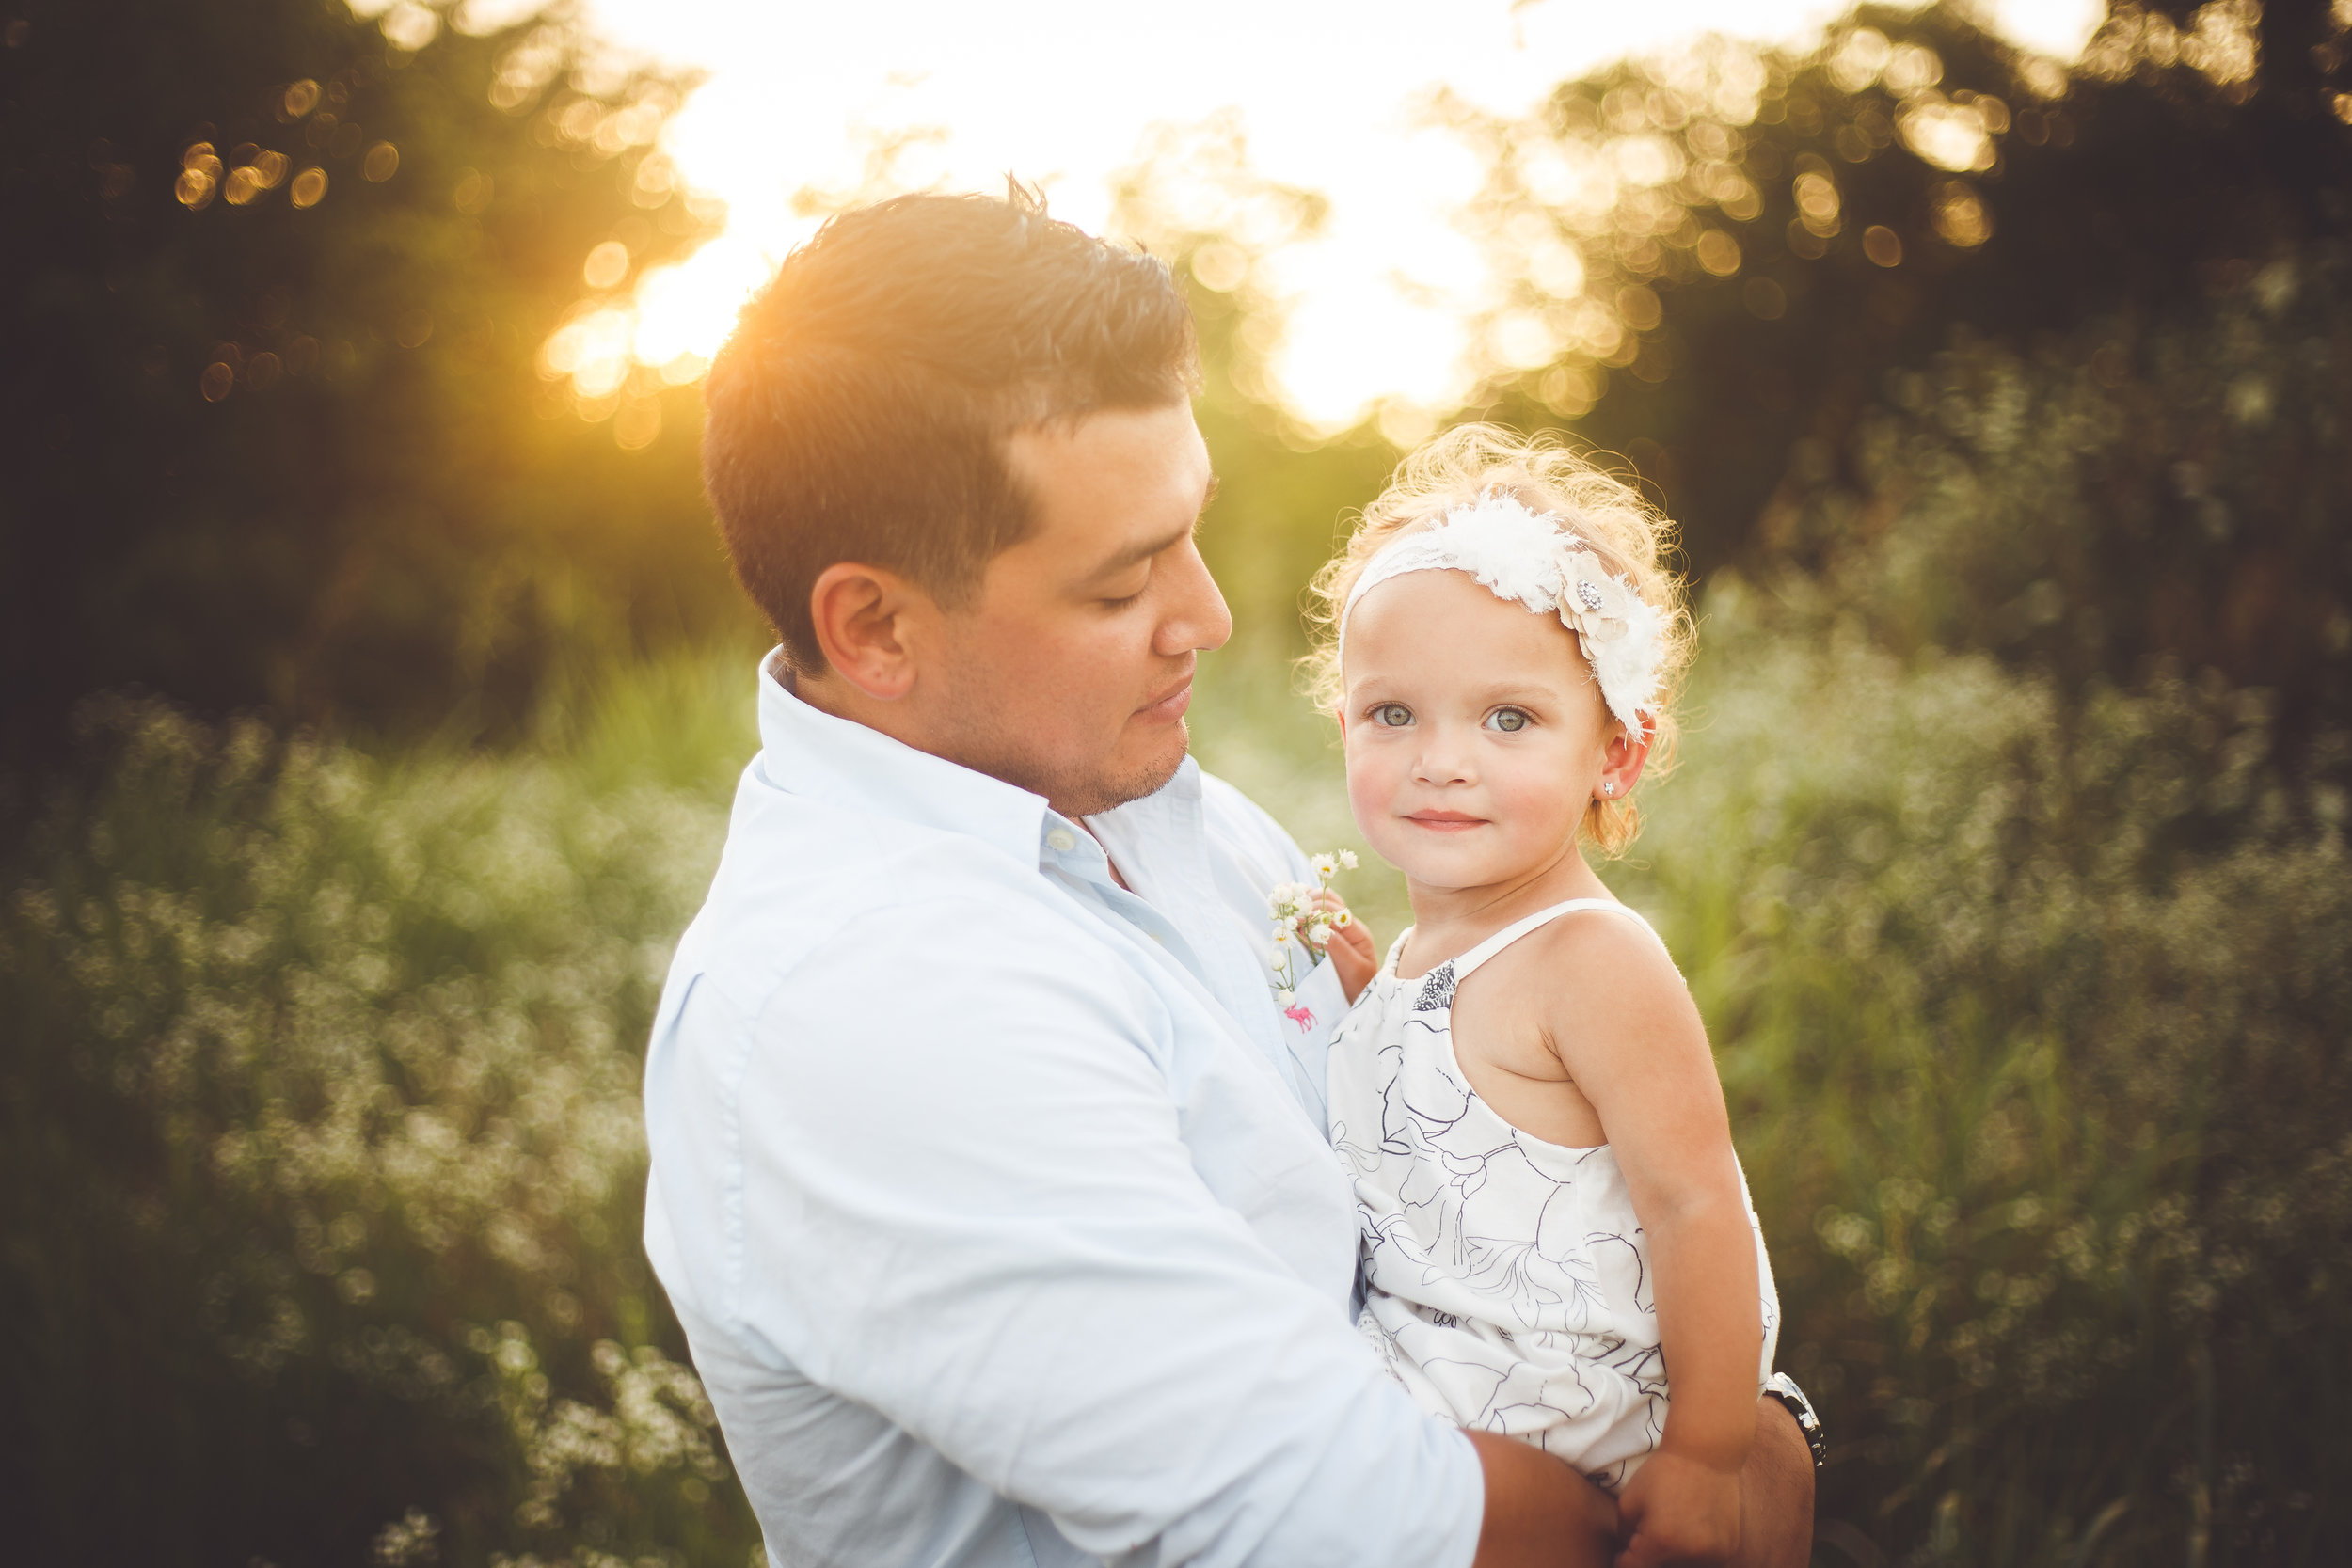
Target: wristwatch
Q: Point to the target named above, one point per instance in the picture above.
(1781, 1386)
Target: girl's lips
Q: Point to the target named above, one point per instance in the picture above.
(1445, 821)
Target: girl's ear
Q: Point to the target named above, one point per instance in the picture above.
(1623, 760)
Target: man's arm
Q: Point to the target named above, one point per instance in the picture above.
(948, 1179)
(1540, 1513)
(1777, 1494)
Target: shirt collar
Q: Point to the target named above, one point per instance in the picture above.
(810, 753)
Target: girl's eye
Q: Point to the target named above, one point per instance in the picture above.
(1394, 715)
(1507, 720)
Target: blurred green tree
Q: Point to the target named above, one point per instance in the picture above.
(275, 282)
(1722, 261)
(1192, 197)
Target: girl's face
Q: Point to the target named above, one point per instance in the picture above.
(1475, 734)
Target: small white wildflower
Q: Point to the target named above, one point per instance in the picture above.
(1318, 934)
(1325, 864)
(1284, 995)
(1347, 860)
(1342, 920)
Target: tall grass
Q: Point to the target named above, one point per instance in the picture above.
(323, 1164)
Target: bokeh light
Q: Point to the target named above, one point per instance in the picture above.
(1381, 306)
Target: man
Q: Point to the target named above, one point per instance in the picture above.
(990, 1185)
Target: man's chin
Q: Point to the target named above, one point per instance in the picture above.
(1128, 777)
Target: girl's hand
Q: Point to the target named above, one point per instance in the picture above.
(1353, 958)
(1676, 1510)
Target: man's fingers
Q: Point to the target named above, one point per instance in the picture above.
(1643, 1551)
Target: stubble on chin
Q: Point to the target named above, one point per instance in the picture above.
(1083, 789)
(1088, 792)
(1025, 754)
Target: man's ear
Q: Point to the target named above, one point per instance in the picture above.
(869, 623)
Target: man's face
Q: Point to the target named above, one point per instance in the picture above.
(1070, 671)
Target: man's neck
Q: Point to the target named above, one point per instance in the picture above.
(828, 694)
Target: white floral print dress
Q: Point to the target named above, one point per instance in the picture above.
(1506, 1279)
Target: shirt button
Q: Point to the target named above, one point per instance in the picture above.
(1061, 841)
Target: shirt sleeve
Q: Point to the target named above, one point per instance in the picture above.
(967, 1202)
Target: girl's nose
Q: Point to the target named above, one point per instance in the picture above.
(1443, 759)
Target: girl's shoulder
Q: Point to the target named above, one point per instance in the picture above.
(1602, 965)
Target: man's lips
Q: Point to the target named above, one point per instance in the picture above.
(1445, 821)
(1169, 704)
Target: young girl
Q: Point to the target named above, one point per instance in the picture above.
(1552, 1216)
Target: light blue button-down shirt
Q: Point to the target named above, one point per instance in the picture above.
(994, 1197)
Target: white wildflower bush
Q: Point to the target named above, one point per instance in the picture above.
(325, 1162)
(2025, 942)
(2046, 1107)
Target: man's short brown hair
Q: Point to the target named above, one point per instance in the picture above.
(860, 410)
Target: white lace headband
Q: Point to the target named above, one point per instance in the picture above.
(1528, 557)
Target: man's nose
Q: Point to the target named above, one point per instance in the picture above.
(1195, 619)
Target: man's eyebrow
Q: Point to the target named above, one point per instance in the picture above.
(1143, 552)
(1150, 548)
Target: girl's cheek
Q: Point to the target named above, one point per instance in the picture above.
(1528, 789)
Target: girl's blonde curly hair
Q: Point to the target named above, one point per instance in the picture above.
(1634, 539)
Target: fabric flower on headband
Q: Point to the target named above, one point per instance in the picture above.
(1528, 557)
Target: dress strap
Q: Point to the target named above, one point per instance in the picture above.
(1462, 963)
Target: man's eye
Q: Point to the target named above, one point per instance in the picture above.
(1507, 720)
(1394, 715)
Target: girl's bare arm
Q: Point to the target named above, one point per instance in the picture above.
(1629, 1036)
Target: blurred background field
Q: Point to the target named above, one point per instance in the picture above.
(374, 690)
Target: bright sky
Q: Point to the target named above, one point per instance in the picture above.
(1063, 91)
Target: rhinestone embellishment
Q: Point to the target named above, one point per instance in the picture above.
(1590, 594)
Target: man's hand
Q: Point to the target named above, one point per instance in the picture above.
(1678, 1510)
(1353, 958)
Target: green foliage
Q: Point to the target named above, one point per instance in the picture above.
(276, 290)
(322, 1155)
(1717, 257)
(2046, 1116)
(2030, 986)
(2133, 492)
